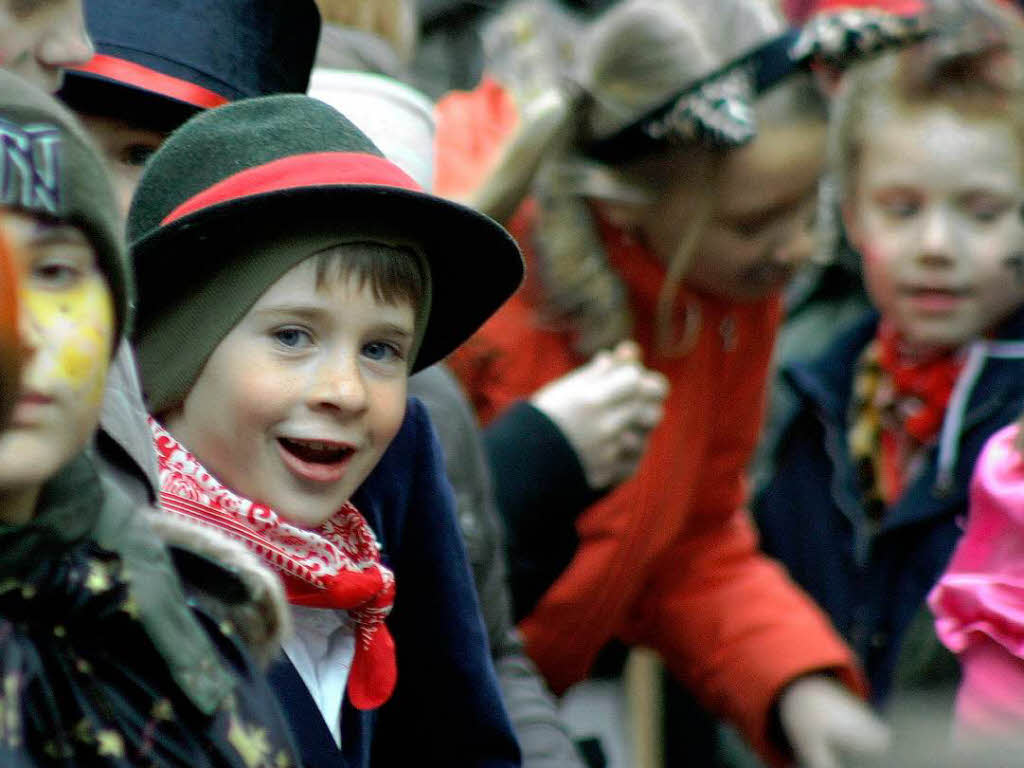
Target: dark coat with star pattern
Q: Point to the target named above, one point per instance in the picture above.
(112, 652)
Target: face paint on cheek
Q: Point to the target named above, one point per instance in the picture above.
(74, 329)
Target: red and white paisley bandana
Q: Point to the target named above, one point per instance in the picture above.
(335, 566)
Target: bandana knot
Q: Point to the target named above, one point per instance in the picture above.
(336, 566)
(898, 405)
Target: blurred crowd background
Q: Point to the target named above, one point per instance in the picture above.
(736, 469)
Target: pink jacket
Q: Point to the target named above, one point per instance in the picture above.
(979, 601)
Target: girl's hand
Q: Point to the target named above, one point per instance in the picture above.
(606, 409)
(824, 722)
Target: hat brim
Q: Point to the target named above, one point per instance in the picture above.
(475, 265)
(96, 95)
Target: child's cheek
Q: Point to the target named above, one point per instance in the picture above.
(881, 268)
(875, 267)
(75, 329)
(869, 252)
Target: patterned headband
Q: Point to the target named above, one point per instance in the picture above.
(719, 109)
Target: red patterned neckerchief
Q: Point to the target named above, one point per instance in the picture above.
(899, 402)
(336, 566)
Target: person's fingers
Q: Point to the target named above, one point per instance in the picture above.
(654, 385)
(863, 733)
(606, 466)
(621, 383)
(634, 414)
(627, 352)
(603, 361)
(647, 417)
(626, 415)
(632, 443)
(824, 721)
(816, 754)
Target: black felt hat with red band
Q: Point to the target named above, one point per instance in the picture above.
(240, 194)
(159, 62)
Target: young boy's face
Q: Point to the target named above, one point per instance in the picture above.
(299, 401)
(39, 38)
(936, 214)
(126, 148)
(67, 328)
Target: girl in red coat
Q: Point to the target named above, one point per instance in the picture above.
(677, 213)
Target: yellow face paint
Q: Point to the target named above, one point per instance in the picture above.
(66, 329)
(73, 332)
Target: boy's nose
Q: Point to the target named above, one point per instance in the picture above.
(340, 386)
(936, 246)
(66, 43)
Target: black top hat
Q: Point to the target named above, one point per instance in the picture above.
(282, 169)
(161, 61)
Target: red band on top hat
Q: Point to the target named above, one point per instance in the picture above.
(311, 170)
(130, 73)
(893, 7)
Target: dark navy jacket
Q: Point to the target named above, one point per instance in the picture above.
(447, 707)
(872, 581)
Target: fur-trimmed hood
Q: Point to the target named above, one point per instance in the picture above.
(229, 581)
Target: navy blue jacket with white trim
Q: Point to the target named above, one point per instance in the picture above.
(447, 707)
(872, 579)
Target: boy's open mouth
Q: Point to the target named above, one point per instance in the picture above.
(316, 451)
(316, 461)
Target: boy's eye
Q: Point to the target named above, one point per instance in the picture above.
(293, 338)
(383, 351)
(900, 209)
(985, 209)
(136, 155)
(898, 202)
(55, 274)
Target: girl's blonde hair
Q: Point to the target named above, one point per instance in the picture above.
(973, 63)
(634, 57)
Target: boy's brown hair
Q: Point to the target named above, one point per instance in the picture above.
(394, 273)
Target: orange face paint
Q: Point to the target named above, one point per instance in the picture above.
(10, 346)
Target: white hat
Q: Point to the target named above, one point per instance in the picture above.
(396, 117)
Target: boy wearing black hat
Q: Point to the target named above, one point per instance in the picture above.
(103, 661)
(157, 63)
(290, 280)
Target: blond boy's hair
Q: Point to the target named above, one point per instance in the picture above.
(974, 64)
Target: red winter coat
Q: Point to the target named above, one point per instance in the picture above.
(669, 559)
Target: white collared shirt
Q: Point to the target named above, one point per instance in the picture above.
(321, 650)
